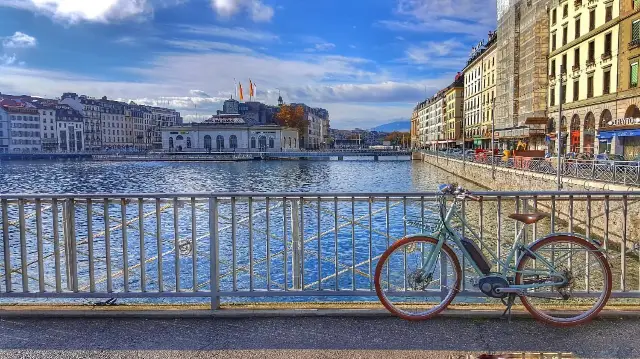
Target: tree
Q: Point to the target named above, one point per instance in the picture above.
(398, 138)
(291, 116)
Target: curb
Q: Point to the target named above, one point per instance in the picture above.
(288, 313)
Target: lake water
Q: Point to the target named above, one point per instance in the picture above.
(350, 244)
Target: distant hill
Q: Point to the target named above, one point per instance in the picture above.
(401, 126)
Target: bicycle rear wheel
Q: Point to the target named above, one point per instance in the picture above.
(405, 289)
(586, 290)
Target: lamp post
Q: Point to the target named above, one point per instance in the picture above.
(493, 131)
(559, 133)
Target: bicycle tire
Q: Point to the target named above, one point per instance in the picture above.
(443, 304)
(607, 281)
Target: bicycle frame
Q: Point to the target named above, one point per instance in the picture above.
(446, 232)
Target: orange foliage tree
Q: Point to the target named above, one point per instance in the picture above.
(291, 116)
(397, 138)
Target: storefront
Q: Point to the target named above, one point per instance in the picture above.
(620, 136)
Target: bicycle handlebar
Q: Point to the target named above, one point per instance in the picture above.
(458, 191)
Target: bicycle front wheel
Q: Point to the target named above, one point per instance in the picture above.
(582, 269)
(406, 289)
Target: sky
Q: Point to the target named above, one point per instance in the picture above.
(368, 62)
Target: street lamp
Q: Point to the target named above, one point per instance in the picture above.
(493, 131)
(559, 131)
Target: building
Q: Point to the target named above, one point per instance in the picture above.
(69, 129)
(619, 130)
(141, 121)
(488, 95)
(522, 50)
(454, 110)
(116, 131)
(23, 128)
(230, 133)
(415, 143)
(316, 131)
(583, 56)
(5, 130)
(48, 133)
(473, 86)
(91, 110)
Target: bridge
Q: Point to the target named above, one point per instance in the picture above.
(220, 248)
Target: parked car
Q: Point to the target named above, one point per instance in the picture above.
(609, 159)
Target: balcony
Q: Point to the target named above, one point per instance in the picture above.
(606, 56)
(591, 63)
(575, 68)
(577, 3)
(552, 77)
(634, 43)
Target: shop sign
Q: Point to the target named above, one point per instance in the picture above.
(226, 121)
(627, 121)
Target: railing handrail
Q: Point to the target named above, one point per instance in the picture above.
(314, 195)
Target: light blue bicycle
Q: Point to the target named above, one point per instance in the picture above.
(563, 279)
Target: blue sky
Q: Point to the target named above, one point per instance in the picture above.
(367, 61)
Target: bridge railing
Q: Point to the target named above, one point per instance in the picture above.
(239, 247)
(621, 172)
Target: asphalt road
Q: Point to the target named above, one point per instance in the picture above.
(312, 337)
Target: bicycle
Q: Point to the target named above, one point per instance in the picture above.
(545, 270)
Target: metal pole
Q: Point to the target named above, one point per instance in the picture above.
(493, 130)
(559, 133)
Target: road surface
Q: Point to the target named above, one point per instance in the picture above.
(311, 337)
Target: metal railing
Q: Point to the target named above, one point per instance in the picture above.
(215, 246)
(621, 172)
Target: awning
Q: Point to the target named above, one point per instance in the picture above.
(536, 121)
(603, 135)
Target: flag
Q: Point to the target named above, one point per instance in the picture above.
(241, 94)
(250, 88)
(255, 90)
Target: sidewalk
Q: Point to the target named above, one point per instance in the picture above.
(310, 337)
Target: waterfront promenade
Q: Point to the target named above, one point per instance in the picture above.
(346, 337)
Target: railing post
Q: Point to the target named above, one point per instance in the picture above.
(68, 218)
(214, 268)
(296, 248)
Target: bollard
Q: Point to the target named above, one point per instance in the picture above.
(297, 246)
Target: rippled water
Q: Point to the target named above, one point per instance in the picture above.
(250, 176)
(353, 243)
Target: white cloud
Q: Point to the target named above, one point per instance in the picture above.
(201, 45)
(7, 59)
(74, 11)
(448, 54)
(19, 40)
(236, 33)
(323, 46)
(463, 16)
(258, 11)
(354, 93)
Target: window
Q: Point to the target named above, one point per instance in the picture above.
(576, 90)
(565, 11)
(563, 90)
(592, 52)
(563, 70)
(576, 59)
(608, 13)
(553, 17)
(590, 87)
(577, 28)
(592, 19)
(607, 45)
(553, 68)
(635, 30)
(552, 97)
(564, 36)
(606, 82)
(634, 75)
(553, 41)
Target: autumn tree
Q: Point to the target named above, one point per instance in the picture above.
(396, 138)
(291, 116)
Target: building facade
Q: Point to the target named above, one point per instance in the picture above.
(5, 130)
(229, 133)
(473, 105)
(488, 95)
(69, 129)
(48, 131)
(454, 104)
(23, 128)
(619, 133)
(583, 68)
